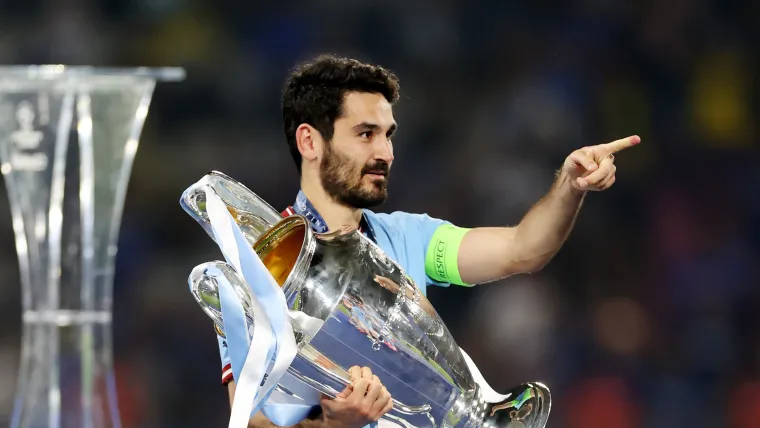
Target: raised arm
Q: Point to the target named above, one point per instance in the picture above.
(491, 253)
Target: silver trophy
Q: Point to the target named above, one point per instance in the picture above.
(68, 136)
(371, 314)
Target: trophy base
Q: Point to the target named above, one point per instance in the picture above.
(66, 378)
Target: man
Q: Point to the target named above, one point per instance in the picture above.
(339, 126)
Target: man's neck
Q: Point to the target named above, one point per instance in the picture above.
(336, 215)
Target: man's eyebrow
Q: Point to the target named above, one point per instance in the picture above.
(367, 126)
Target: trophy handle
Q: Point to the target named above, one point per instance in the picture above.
(253, 214)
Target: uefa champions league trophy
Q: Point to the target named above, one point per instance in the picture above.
(68, 136)
(348, 304)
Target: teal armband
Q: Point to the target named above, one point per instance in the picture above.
(443, 250)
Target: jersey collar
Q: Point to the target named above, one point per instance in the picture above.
(304, 208)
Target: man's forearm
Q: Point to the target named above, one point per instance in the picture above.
(547, 225)
(317, 423)
(261, 421)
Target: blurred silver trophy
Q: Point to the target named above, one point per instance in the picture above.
(68, 136)
(367, 311)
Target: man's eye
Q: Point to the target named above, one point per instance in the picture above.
(366, 135)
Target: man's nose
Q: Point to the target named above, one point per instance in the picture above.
(384, 150)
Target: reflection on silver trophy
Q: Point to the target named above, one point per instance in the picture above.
(369, 313)
(68, 136)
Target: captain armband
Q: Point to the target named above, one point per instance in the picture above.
(443, 250)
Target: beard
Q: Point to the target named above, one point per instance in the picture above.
(342, 180)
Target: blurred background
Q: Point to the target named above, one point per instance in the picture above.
(648, 317)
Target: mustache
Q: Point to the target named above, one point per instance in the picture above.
(377, 168)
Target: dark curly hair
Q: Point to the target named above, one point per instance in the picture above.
(315, 91)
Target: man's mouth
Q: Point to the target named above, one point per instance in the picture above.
(378, 171)
(376, 174)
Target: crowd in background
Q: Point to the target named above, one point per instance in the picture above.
(648, 315)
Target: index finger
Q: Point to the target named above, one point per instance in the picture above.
(355, 372)
(366, 373)
(621, 144)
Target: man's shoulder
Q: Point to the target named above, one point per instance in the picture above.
(403, 219)
(396, 216)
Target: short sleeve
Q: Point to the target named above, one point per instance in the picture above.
(425, 227)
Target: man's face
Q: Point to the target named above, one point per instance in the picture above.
(355, 165)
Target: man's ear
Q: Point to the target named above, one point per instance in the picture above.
(309, 142)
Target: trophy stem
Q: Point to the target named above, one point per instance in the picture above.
(86, 196)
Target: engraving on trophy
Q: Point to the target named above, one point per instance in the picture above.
(26, 138)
